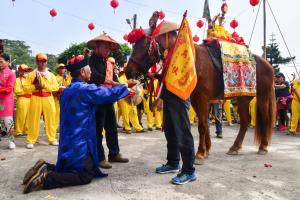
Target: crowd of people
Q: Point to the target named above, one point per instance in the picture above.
(86, 100)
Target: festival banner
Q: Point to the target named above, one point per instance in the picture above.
(181, 77)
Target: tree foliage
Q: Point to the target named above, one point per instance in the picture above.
(274, 55)
(21, 53)
(73, 49)
(121, 55)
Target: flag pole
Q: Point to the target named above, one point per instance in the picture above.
(168, 60)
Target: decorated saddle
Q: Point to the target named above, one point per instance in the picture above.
(236, 64)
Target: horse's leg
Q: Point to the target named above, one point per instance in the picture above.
(243, 108)
(200, 105)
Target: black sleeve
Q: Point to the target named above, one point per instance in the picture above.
(158, 76)
(115, 78)
(96, 77)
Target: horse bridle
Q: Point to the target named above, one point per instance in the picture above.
(153, 49)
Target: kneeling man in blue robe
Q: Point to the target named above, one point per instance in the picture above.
(77, 162)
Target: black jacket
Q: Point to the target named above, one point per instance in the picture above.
(98, 68)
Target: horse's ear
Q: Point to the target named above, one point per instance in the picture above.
(152, 21)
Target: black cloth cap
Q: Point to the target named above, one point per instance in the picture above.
(278, 75)
(77, 66)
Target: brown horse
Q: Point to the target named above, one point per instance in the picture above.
(210, 86)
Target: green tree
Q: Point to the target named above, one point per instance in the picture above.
(121, 55)
(73, 49)
(274, 55)
(20, 52)
(52, 63)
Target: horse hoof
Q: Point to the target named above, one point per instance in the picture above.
(233, 152)
(198, 161)
(262, 152)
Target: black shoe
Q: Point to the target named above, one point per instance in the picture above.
(219, 136)
(150, 129)
(37, 181)
(33, 170)
(141, 131)
(118, 158)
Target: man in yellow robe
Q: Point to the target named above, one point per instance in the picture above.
(129, 112)
(23, 100)
(295, 106)
(41, 83)
(63, 80)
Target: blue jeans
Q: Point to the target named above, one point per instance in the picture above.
(217, 112)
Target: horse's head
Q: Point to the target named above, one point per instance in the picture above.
(145, 51)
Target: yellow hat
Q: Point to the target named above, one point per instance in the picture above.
(60, 65)
(114, 45)
(165, 27)
(41, 57)
(24, 68)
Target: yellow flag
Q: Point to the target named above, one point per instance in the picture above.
(181, 77)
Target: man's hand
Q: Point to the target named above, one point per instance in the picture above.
(112, 83)
(150, 75)
(132, 83)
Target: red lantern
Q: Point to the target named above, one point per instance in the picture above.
(53, 12)
(196, 38)
(254, 2)
(125, 37)
(234, 24)
(200, 23)
(91, 26)
(114, 4)
(161, 15)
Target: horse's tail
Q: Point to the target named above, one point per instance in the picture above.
(265, 106)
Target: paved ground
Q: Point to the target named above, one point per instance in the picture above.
(221, 177)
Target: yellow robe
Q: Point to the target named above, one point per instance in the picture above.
(252, 109)
(295, 108)
(128, 112)
(22, 106)
(41, 105)
(62, 83)
(227, 110)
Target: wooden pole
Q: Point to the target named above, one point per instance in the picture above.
(265, 29)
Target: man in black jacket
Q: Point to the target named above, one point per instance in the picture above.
(102, 74)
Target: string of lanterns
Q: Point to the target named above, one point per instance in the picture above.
(115, 4)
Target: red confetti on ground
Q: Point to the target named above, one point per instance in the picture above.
(268, 165)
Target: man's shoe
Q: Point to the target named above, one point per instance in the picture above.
(118, 158)
(105, 164)
(183, 178)
(164, 169)
(141, 131)
(158, 128)
(37, 181)
(150, 129)
(33, 170)
(54, 143)
(11, 145)
(29, 146)
(126, 131)
(219, 136)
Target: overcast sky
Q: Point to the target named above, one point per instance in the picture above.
(29, 20)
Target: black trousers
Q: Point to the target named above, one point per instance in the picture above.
(178, 132)
(64, 179)
(106, 118)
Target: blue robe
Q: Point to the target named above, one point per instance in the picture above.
(78, 124)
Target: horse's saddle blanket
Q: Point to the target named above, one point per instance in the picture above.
(237, 66)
